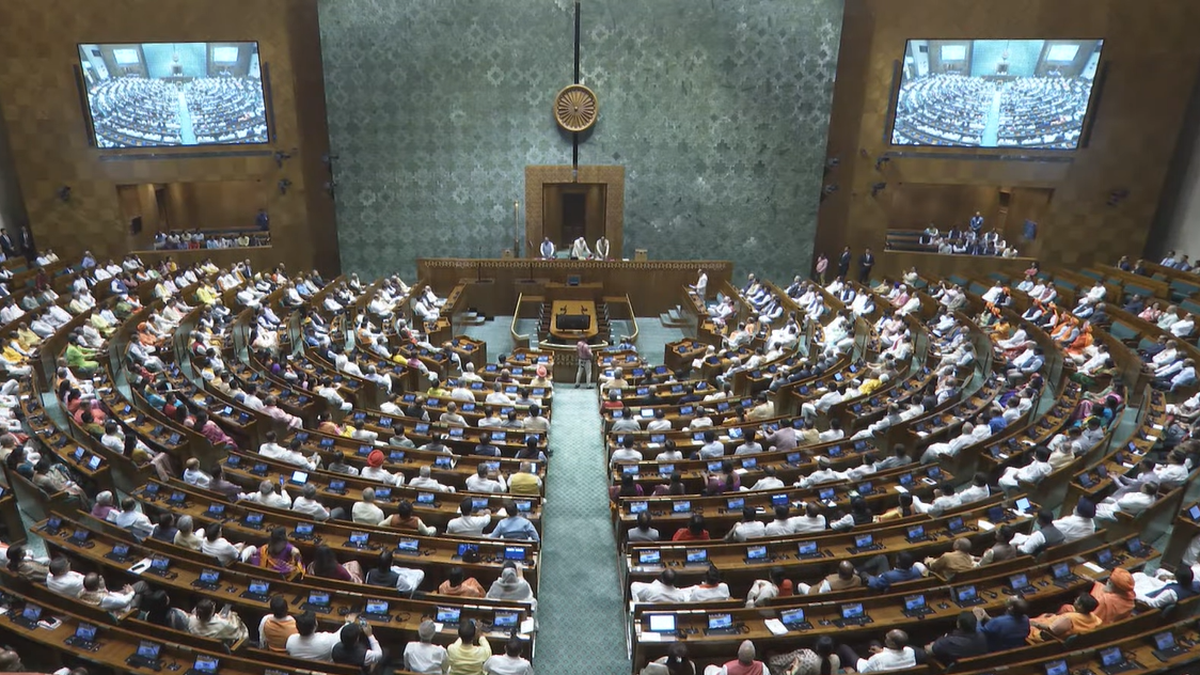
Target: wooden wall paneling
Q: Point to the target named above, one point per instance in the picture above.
(612, 177)
(1151, 63)
(40, 106)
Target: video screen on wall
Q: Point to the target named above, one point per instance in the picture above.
(995, 93)
(174, 94)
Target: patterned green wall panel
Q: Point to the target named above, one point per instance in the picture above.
(718, 110)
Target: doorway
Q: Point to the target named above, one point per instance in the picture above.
(574, 216)
(573, 210)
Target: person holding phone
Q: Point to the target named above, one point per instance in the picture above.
(357, 645)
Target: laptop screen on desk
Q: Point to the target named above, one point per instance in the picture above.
(661, 623)
(377, 607)
(148, 650)
(807, 548)
(756, 553)
(852, 611)
(205, 664)
(792, 617)
(863, 540)
(649, 557)
(86, 632)
(259, 587)
(1164, 641)
(318, 599)
(720, 621)
(913, 603)
(1057, 668)
(1111, 656)
(505, 619)
(697, 555)
(448, 614)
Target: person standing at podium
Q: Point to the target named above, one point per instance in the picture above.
(580, 250)
(547, 249)
(602, 248)
(584, 354)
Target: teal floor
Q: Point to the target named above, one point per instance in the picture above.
(581, 614)
(580, 608)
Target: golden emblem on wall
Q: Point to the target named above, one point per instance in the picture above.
(576, 108)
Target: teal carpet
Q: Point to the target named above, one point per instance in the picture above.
(580, 608)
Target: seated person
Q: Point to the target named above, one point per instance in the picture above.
(1079, 617)
(745, 664)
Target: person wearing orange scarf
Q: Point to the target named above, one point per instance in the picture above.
(1080, 617)
(1115, 598)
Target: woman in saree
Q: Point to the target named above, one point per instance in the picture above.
(278, 555)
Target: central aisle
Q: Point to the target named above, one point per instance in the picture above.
(580, 606)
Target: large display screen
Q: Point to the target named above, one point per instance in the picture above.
(995, 93)
(164, 94)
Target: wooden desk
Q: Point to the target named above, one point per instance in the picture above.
(586, 308)
(653, 285)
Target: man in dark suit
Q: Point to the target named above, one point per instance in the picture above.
(844, 263)
(6, 244)
(865, 263)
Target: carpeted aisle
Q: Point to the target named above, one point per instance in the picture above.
(580, 606)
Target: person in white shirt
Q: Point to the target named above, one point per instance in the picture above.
(768, 482)
(809, 409)
(132, 519)
(497, 396)
(267, 496)
(291, 455)
(969, 434)
(825, 473)
(425, 481)
(625, 453)
(374, 470)
(218, 546)
(944, 499)
(894, 655)
(511, 661)
(470, 522)
(781, 526)
(700, 288)
(425, 657)
(662, 589)
(812, 520)
(1074, 527)
(366, 511)
(63, 580)
(331, 396)
(308, 643)
(308, 505)
(1158, 590)
(1174, 473)
(833, 433)
(712, 588)
(748, 528)
(481, 481)
(978, 490)
(1033, 472)
(1131, 503)
(192, 475)
(749, 446)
